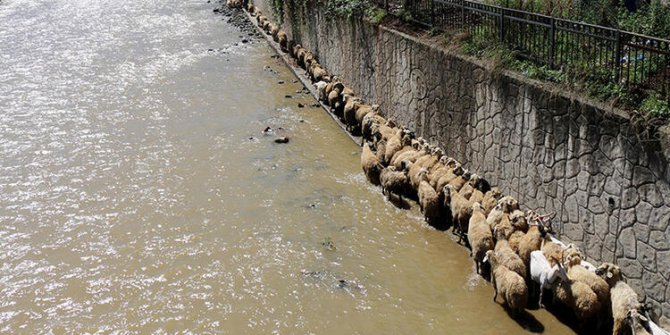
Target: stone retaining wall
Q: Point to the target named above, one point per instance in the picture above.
(551, 151)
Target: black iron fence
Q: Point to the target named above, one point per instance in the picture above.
(604, 53)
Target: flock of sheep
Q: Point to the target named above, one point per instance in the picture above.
(515, 248)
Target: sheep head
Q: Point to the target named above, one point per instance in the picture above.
(571, 256)
(477, 207)
(422, 174)
(491, 258)
(466, 175)
(405, 165)
(508, 204)
(338, 86)
(610, 273)
(458, 169)
(518, 220)
(448, 191)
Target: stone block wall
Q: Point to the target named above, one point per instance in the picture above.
(551, 151)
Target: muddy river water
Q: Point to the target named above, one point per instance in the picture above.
(139, 195)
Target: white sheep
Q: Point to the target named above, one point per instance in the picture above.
(545, 275)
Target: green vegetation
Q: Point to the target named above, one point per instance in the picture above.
(649, 18)
(376, 15)
(347, 8)
(656, 107)
(581, 66)
(599, 87)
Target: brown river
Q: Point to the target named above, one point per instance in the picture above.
(138, 194)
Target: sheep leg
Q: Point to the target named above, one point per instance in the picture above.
(495, 288)
(616, 330)
(539, 302)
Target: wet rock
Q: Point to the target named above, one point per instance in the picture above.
(244, 40)
(301, 105)
(280, 82)
(328, 243)
(282, 139)
(288, 96)
(315, 105)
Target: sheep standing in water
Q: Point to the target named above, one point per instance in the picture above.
(394, 182)
(370, 165)
(624, 299)
(429, 200)
(479, 236)
(508, 258)
(283, 41)
(508, 284)
(545, 275)
(577, 294)
(460, 211)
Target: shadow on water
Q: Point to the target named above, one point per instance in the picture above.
(527, 321)
(399, 202)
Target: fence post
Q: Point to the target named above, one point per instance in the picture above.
(617, 55)
(552, 47)
(502, 25)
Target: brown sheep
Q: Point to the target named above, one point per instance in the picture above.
(508, 284)
(479, 236)
(370, 165)
(393, 182)
(491, 199)
(506, 205)
(351, 105)
(577, 272)
(409, 153)
(274, 31)
(294, 50)
(449, 175)
(395, 143)
(531, 241)
(261, 19)
(360, 115)
(429, 201)
(509, 258)
(460, 211)
(318, 73)
(624, 299)
(283, 41)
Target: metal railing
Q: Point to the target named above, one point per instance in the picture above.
(593, 51)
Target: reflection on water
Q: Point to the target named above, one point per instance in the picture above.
(138, 193)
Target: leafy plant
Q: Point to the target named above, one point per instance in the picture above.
(347, 8)
(376, 15)
(656, 106)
